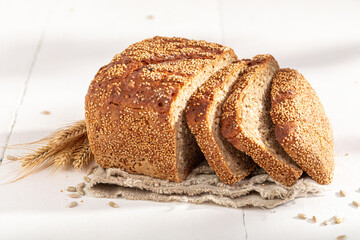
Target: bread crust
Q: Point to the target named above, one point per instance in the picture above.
(129, 104)
(302, 127)
(233, 131)
(200, 116)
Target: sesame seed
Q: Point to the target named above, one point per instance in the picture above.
(338, 220)
(87, 179)
(114, 205)
(342, 193)
(10, 157)
(72, 204)
(302, 216)
(74, 195)
(71, 189)
(46, 112)
(81, 185)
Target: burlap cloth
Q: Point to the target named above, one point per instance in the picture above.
(201, 186)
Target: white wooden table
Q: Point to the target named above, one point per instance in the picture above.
(50, 51)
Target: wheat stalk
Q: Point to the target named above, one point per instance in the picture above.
(68, 134)
(66, 147)
(83, 155)
(65, 157)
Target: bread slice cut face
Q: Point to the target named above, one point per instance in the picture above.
(246, 121)
(203, 117)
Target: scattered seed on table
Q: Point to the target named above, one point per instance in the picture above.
(314, 219)
(72, 204)
(114, 205)
(91, 170)
(81, 185)
(11, 157)
(46, 112)
(356, 204)
(81, 191)
(341, 237)
(87, 179)
(301, 216)
(74, 195)
(338, 220)
(326, 222)
(342, 193)
(71, 189)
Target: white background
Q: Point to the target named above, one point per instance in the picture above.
(50, 51)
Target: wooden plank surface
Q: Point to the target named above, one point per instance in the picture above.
(21, 38)
(81, 37)
(50, 51)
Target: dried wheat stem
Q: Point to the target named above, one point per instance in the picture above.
(83, 156)
(68, 146)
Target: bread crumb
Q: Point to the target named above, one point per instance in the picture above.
(341, 237)
(314, 219)
(150, 17)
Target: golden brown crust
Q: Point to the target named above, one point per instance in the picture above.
(200, 116)
(302, 127)
(129, 103)
(234, 132)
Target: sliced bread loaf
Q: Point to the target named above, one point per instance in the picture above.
(135, 106)
(203, 117)
(247, 124)
(301, 125)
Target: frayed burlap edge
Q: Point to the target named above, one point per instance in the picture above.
(201, 186)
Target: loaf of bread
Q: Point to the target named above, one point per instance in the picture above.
(203, 117)
(302, 127)
(135, 106)
(163, 104)
(246, 121)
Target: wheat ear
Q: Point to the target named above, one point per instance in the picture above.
(66, 147)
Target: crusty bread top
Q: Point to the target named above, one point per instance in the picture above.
(131, 102)
(302, 127)
(149, 74)
(203, 117)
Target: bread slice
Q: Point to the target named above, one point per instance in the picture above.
(135, 106)
(301, 125)
(246, 121)
(203, 117)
